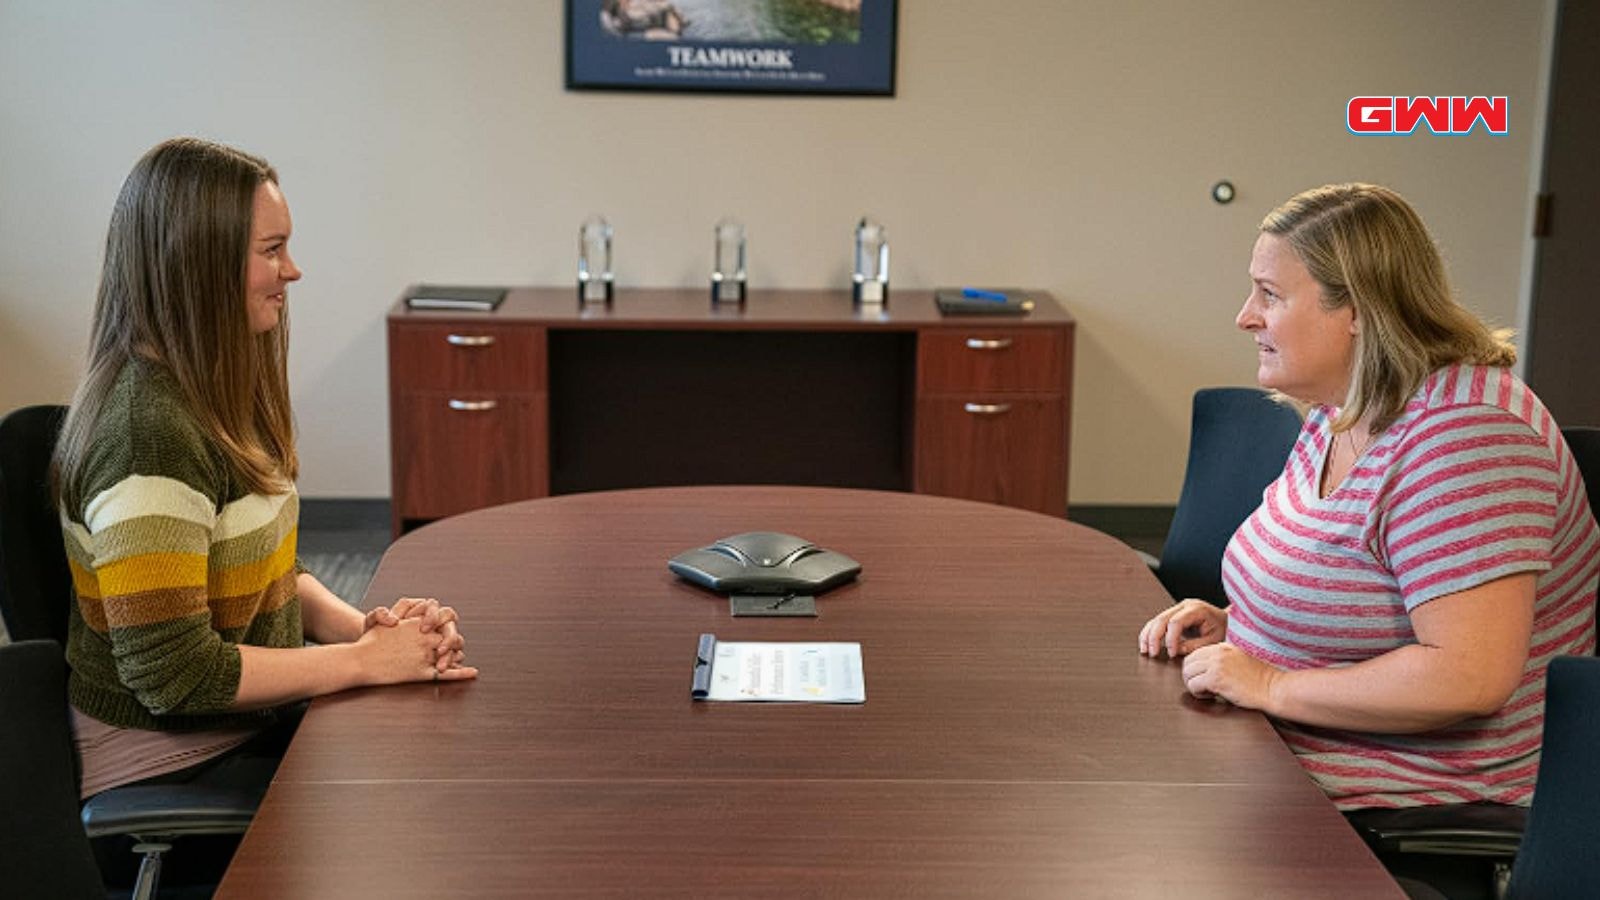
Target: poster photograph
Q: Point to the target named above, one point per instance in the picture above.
(740, 46)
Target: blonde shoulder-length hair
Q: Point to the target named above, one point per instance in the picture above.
(1368, 248)
(172, 291)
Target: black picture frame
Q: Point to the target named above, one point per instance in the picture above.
(806, 47)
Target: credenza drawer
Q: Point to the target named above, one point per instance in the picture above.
(978, 359)
(466, 357)
(1008, 449)
(458, 451)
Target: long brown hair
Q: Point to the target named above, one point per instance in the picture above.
(172, 291)
(1368, 248)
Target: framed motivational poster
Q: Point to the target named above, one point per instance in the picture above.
(740, 46)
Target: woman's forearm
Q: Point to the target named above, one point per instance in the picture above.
(271, 676)
(390, 654)
(1411, 689)
(1470, 654)
(326, 618)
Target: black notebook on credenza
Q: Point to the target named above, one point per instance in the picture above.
(454, 297)
(970, 301)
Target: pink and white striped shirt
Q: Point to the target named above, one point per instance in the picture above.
(1471, 484)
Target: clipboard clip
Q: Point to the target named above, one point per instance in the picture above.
(703, 657)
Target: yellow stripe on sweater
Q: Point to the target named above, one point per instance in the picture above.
(151, 572)
(83, 580)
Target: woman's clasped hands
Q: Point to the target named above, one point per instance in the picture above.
(1197, 631)
(416, 639)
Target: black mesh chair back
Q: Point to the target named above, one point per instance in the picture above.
(1584, 442)
(1554, 862)
(43, 844)
(35, 584)
(1239, 439)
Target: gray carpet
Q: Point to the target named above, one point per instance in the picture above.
(342, 553)
(347, 574)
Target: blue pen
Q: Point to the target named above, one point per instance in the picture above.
(975, 294)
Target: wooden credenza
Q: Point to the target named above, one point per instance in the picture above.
(799, 387)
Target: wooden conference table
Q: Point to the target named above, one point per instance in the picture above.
(1013, 744)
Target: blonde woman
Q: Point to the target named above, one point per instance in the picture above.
(1429, 546)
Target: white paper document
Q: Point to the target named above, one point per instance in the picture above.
(791, 672)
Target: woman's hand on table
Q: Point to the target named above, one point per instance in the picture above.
(435, 618)
(379, 615)
(1223, 670)
(403, 652)
(1183, 628)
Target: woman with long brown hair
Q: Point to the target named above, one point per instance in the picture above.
(175, 473)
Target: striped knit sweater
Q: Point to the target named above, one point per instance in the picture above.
(174, 565)
(1471, 484)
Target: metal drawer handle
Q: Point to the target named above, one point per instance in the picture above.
(988, 343)
(470, 340)
(474, 405)
(988, 409)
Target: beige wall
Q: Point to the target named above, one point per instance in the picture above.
(1065, 145)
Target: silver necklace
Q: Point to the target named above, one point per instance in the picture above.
(1328, 482)
(1355, 452)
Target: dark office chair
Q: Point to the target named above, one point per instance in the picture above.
(46, 850)
(35, 595)
(1239, 439)
(1554, 862)
(1477, 829)
(1584, 442)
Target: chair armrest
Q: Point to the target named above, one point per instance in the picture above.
(1465, 829)
(169, 811)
